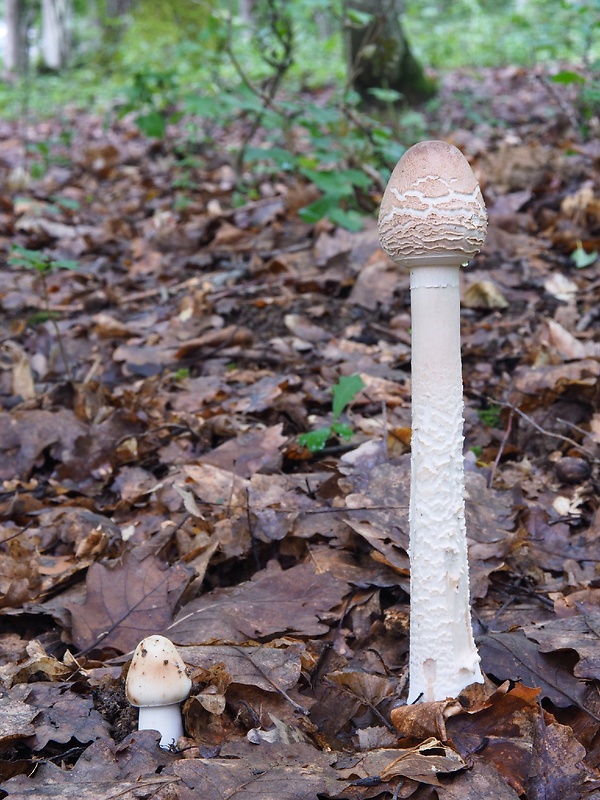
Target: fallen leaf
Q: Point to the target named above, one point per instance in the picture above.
(61, 714)
(580, 634)
(272, 669)
(249, 453)
(483, 294)
(558, 771)
(274, 602)
(513, 656)
(481, 781)
(127, 602)
(16, 718)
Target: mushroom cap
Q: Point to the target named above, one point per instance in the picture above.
(157, 675)
(432, 211)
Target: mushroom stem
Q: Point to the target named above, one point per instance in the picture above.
(443, 656)
(165, 719)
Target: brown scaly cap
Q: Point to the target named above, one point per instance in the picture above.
(432, 212)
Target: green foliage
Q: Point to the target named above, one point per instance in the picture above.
(338, 187)
(587, 101)
(41, 155)
(490, 416)
(181, 374)
(153, 94)
(193, 59)
(581, 258)
(37, 260)
(344, 392)
(486, 33)
(44, 264)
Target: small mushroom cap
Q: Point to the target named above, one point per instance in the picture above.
(432, 212)
(157, 675)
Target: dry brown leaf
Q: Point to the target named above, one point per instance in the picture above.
(424, 720)
(16, 718)
(126, 602)
(25, 435)
(481, 781)
(558, 771)
(581, 634)
(250, 452)
(483, 294)
(273, 669)
(274, 602)
(62, 714)
(513, 656)
(37, 661)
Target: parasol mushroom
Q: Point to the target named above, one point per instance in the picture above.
(433, 220)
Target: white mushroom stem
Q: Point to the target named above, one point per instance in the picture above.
(165, 719)
(443, 657)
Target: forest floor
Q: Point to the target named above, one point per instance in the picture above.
(153, 481)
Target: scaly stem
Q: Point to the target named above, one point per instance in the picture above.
(443, 656)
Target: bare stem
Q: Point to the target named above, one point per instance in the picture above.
(59, 338)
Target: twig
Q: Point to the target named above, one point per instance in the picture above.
(568, 110)
(561, 437)
(284, 35)
(54, 324)
(503, 444)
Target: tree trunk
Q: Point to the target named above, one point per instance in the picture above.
(112, 20)
(378, 54)
(16, 52)
(56, 32)
(245, 10)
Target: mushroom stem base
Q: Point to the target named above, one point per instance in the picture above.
(164, 719)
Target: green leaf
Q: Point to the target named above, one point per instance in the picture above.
(315, 440)
(337, 183)
(350, 220)
(490, 416)
(68, 202)
(319, 209)
(360, 18)
(330, 182)
(386, 95)
(64, 263)
(152, 124)
(36, 259)
(342, 430)
(345, 391)
(581, 258)
(567, 76)
(30, 259)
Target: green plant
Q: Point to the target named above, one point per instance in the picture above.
(44, 264)
(181, 374)
(586, 105)
(344, 392)
(581, 258)
(490, 416)
(42, 155)
(153, 93)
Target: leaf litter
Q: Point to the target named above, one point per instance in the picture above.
(166, 489)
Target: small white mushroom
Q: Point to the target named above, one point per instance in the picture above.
(156, 683)
(433, 220)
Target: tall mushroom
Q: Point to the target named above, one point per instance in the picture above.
(432, 221)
